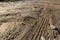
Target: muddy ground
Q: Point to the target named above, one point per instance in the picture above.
(30, 20)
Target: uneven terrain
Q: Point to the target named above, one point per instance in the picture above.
(30, 20)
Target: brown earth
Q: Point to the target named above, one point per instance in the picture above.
(30, 20)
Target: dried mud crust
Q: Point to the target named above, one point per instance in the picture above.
(22, 21)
